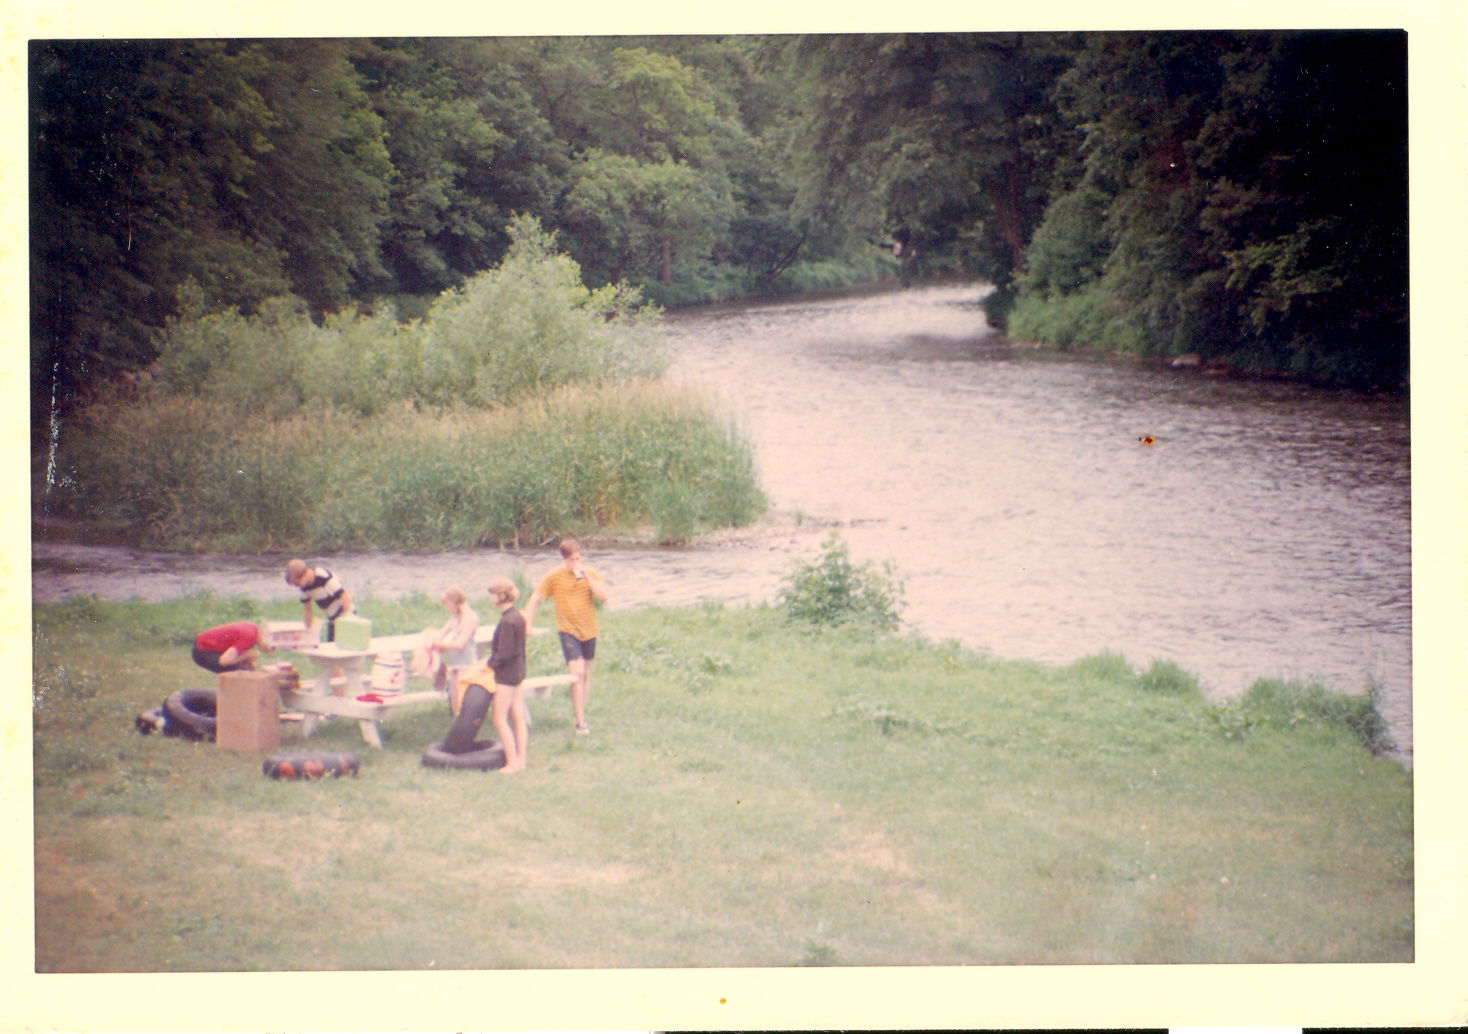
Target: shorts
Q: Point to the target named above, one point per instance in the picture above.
(209, 661)
(574, 649)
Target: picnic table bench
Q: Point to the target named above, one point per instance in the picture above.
(316, 700)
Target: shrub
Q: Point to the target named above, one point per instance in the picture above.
(834, 591)
(1278, 704)
(1168, 677)
(527, 326)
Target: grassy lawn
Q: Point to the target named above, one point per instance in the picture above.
(754, 793)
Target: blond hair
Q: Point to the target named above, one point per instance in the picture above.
(294, 570)
(503, 590)
(455, 595)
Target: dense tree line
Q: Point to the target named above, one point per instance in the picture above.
(1241, 196)
(1238, 196)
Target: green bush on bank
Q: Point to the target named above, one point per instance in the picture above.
(1087, 318)
(525, 327)
(832, 590)
(1279, 704)
(717, 282)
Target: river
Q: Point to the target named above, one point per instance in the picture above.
(1036, 504)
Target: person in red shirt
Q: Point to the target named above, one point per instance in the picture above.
(230, 647)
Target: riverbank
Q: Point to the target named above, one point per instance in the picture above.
(752, 794)
(771, 527)
(1190, 363)
(1085, 324)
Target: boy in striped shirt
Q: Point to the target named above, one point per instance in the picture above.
(321, 587)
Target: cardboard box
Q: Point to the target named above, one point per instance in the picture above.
(353, 633)
(247, 714)
(291, 635)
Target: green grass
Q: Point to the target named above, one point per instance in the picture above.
(754, 793)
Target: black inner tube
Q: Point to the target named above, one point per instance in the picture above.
(472, 711)
(190, 713)
(483, 755)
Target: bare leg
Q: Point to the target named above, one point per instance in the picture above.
(520, 723)
(580, 670)
(499, 717)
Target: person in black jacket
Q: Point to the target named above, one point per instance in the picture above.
(507, 659)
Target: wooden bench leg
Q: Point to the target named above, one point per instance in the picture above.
(370, 733)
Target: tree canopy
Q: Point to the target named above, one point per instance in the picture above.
(1237, 195)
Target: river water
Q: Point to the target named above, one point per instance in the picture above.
(1258, 530)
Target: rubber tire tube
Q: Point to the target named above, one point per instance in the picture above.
(190, 713)
(484, 756)
(472, 711)
(310, 764)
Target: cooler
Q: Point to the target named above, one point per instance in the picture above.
(353, 633)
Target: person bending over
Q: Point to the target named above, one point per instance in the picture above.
(230, 647)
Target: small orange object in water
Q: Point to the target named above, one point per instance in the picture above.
(1146, 439)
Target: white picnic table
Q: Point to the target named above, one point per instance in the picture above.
(316, 700)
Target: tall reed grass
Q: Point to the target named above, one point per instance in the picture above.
(180, 472)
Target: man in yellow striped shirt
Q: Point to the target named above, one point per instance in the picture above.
(576, 590)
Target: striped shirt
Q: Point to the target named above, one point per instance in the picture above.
(325, 590)
(575, 606)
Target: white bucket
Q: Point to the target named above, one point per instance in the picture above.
(387, 673)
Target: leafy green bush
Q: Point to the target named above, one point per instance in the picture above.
(1070, 247)
(530, 325)
(832, 590)
(1086, 318)
(829, 274)
(709, 282)
(1279, 704)
(527, 326)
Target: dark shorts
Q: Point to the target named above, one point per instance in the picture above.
(209, 661)
(576, 649)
